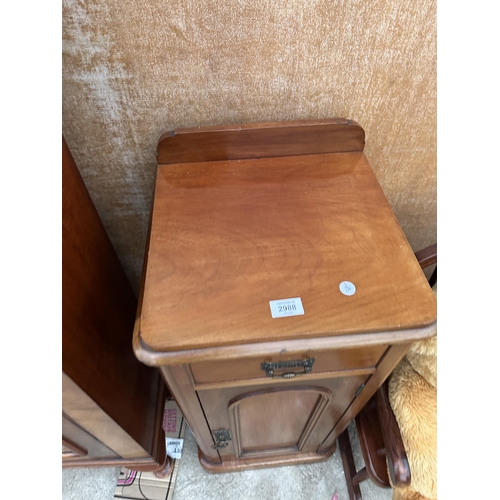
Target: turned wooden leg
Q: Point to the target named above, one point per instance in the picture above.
(352, 478)
(166, 469)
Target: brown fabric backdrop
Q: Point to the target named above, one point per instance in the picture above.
(133, 70)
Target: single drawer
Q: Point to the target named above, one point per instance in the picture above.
(364, 358)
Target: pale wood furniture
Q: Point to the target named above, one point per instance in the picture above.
(379, 436)
(112, 405)
(245, 215)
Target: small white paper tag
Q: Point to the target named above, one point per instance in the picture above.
(174, 447)
(286, 307)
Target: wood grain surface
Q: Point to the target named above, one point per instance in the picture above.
(84, 411)
(250, 368)
(109, 392)
(370, 437)
(260, 140)
(229, 236)
(288, 420)
(134, 70)
(237, 223)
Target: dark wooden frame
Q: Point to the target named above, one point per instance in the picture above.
(112, 404)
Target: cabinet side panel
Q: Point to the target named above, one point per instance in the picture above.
(387, 364)
(98, 312)
(179, 382)
(84, 411)
(81, 443)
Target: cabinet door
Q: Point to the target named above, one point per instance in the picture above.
(284, 418)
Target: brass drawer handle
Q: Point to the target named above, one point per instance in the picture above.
(270, 367)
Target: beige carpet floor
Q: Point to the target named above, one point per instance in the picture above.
(299, 482)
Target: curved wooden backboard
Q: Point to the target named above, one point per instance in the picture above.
(260, 140)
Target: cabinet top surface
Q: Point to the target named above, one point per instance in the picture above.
(228, 237)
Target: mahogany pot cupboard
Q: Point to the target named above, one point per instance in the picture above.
(279, 290)
(112, 405)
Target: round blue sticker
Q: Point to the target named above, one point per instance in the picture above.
(347, 288)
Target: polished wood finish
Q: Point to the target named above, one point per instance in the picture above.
(74, 438)
(399, 469)
(297, 417)
(353, 478)
(112, 404)
(368, 425)
(427, 256)
(179, 381)
(83, 410)
(327, 361)
(70, 448)
(262, 462)
(381, 446)
(297, 240)
(274, 348)
(244, 215)
(384, 368)
(166, 469)
(259, 140)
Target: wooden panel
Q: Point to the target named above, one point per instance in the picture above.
(228, 237)
(98, 314)
(389, 361)
(278, 347)
(260, 140)
(250, 368)
(71, 449)
(87, 414)
(81, 444)
(216, 405)
(275, 381)
(427, 256)
(180, 384)
(370, 437)
(231, 464)
(257, 419)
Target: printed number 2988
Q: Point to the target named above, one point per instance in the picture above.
(287, 307)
